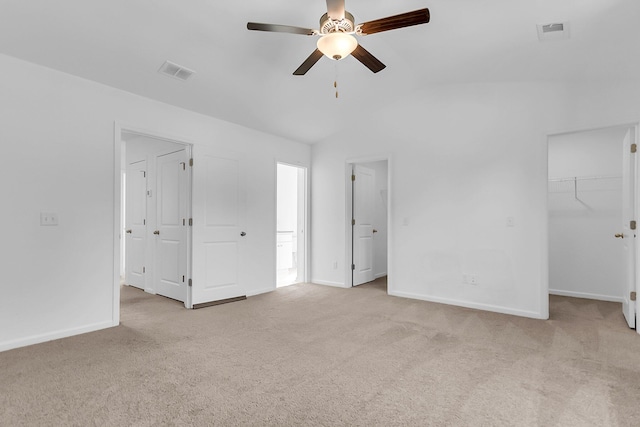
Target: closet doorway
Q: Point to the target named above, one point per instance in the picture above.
(367, 216)
(156, 209)
(591, 214)
(291, 220)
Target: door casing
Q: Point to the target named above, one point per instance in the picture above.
(118, 226)
(544, 298)
(349, 164)
(303, 205)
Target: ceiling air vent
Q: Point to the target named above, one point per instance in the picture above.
(553, 31)
(176, 71)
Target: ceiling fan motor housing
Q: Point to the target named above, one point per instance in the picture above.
(345, 25)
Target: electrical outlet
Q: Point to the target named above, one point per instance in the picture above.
(511, 221)
(473, 279)
(48, 218)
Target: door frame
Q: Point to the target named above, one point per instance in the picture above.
(307, 243)
(635, 125)
(118, 226)
(348, 260)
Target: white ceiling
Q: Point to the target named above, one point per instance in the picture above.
(246, 77)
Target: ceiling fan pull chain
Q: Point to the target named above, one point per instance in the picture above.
(335, 82)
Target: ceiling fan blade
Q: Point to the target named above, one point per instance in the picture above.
(369, 61)
(280, 28)
(335, 9)
(308, 63)
(408, 19)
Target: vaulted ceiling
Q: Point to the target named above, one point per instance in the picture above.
(246, 77)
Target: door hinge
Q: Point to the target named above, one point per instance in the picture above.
(190, 283)
(632, 225)
(191, 162)
(144, 269)
(144, 222)
(144, 174)
(190, 222)
(353, 222)
(353, 177)
(184, 166)
(353, 267)
(184, 222)
(632, 297)
(634, 148)
(182, 279)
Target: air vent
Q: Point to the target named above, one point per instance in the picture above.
(553, 31)
(551, 28)
(176, 71)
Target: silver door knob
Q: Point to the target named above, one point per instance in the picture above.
(619, 235)
(243, 234)
(156, 232)
(129, 231)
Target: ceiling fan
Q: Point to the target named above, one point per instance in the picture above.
(337, 34)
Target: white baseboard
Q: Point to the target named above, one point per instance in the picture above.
(37, 339)
(327, 283)
(379, 275)
(468, 304)
(585, 295)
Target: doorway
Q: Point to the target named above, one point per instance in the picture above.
(156, 204)
(368, 218)
(591, 209)
(291, 219)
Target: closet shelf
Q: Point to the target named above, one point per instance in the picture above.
(581, 178)
(575, 184)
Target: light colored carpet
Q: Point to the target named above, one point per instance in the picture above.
(315, 355)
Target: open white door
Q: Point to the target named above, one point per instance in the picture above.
(363, 188)
(135, 223)
(218, 212)
(628, 227)
(170, 274)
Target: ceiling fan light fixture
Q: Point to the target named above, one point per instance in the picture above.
(337, 45)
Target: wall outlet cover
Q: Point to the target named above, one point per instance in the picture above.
(48, 218)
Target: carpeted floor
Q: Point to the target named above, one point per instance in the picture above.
(316, 355)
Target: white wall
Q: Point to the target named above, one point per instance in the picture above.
(585, 260)
(379, 216)
(140, 147)
(464, 158)
(58, 133)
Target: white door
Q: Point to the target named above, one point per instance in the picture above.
(629, 234)
(363, 198)
(170, 235)
(218, 236)
(136, 223)
(300, 239)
